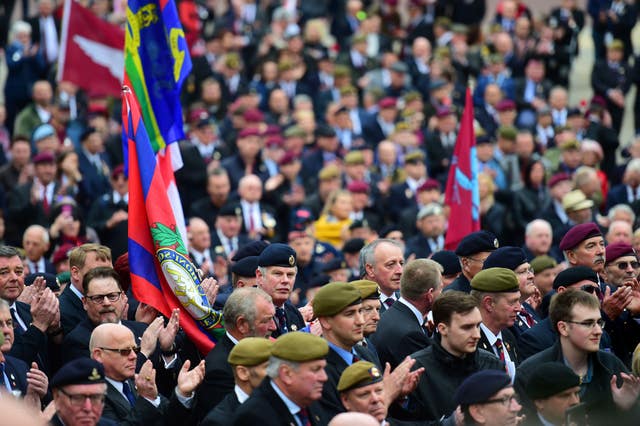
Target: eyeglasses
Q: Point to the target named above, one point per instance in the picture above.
(505, 400)
(591, 289)
(476, 260)
(589, 323)
(124, 351)
(78, 399)
(525, 271)
(98, 299)
(624, 265)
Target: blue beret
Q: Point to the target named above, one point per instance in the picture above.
(549, 379)
(81, 371)
(42, 131)
(448, 260)
(277, 254)
(334, 265)
(230, 209)
(254, 248)
(477, 242)
(578, 234)
(353, 246)
(245, 267)
(574, 275)
(481, 386)
(508, 257)
(49, 279)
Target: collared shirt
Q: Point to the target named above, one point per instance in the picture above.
(120, 388)
(75, 291)
(414, 184)
(94, 159)
(249, 211)
(49, 38)
(416, 312)
(544, 421)
(44, 115)
(633, 195)
(511, 366)
(293, 408)
(233, 339)
(240, 394)
(117, 197)
(384, 297)
(229, 244)
(36, 267)
(557, 207)
(201, 256)
(344, 354)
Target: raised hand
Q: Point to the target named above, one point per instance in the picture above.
(189, 380)
(626, 395)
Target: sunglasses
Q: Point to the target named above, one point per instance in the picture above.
(591, 289)
(123, 351)
(624, 265)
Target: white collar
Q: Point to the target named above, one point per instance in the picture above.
(240, 394)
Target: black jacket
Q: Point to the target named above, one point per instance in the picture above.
(218, 378)
(222, 414)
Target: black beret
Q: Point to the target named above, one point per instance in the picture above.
(50, 280)
(505, 257)
(324, 131)
(353, 246)
(574, 275)
(448, 260)
(254, 248)
(245, 267)
(387, 229)
(480, 387)
(230, 209)
(578, 234)
(81, 371)
(319, 281)
(277, 254)
(334, 265)
(549, 379)
(477, 242)
(357, 224)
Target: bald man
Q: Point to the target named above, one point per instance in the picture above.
(137, 401)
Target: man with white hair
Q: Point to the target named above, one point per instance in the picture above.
(619, 231)
(35, 242)
(538, 240)
(629, 190)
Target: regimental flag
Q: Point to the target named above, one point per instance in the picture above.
(462, 195)
(162, 274)
(91, 52)
(156, 63)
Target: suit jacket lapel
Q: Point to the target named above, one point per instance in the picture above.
(119, 403)
(276, 402)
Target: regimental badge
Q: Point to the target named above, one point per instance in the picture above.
(239, 212)
(507, 345)
(294, 327)
(268, 221)
(408, 193)
(374, 372)
(94, 375)
(219, 249)
(320, 249)
(496, 244)
(292, 260)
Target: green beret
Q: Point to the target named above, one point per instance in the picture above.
(353, 158)
(359, 38)
(329, 172)
(495, 280)
(295, 132)
(297, 346)
(507, 132)
(334, 297)
(348, 90)
(250, 351)
(368, 289)
(541, 263)
(359, 374)
(341, 71)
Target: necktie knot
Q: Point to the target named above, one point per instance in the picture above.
(389, 302)
(303, 416)
(128, 393)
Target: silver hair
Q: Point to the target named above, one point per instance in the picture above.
(43, 232)
(367, 254)
(613, 211)
(19, 27)
(242, 302)
(273, 367)
(531, 225)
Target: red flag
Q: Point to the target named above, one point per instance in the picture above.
(91, 52)
(462, 195)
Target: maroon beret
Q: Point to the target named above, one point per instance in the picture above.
(505, 105)
(358, 187)
(617, 250)
(429, 185)
(44, 157)
(274, 140)
(288, 158)
(273, 130)
(245, 133)
(387, 102)
(557, 178)
(253, 115)
(118, 170)
(197, 115)
(578, 234)
(62, 253)
(443, 111)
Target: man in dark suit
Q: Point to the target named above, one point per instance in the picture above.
(295, 378)
(440, 142)
(76, 382)
(498, 294)
(258, 218)
(472, 251)
(531, 92)
(46, 32)
(114, 346)
(276, 275)
(559, 185)
(248, 159)
(248, 361)
(200, 250)
(81, 260)
(400, 330)
(326, 152)
(218, 188)
(243, 305)
(430, 222)
(35, 243)
(226, 238)
(94, 165)
(403, 195)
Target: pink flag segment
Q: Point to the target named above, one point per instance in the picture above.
(462, 195)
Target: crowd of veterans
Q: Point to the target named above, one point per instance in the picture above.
(319, 138)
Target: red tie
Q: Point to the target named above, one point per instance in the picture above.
(528, 318)
(252, 225)
(389, 302)
(303, 416)
(45, 202)
(500, 349)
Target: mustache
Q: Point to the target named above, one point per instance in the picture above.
(598, 259)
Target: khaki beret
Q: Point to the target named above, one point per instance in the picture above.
(334, 297)
(368, 289)
(297, 346)
(359, 374)
(329, 172)
(414, 156)
(353, 158)
(495, 280)
(542, 263)
(250, 351)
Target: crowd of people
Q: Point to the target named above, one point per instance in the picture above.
(320, 136)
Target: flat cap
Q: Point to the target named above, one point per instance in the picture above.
(480, 387)
(245, 267)
(542, 263)
(44, 157)
(352, 246)
(250, 351)
(230, 209)
(449, 262)
(297, 346)
(359, 374)
(476, 242)
(288, 158)
(557, 178)
(617, 250)
(334, 265)
(495, 280)
(578, 234)
(277, 254)
(81, 371)
(354, 157)
(574, 275)
(549, 379)
(368, 289)
(254, 248)
(334, 297)
(505, 257)
(43, 131)
(575, 200)
(416, 156)
(431, 209)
